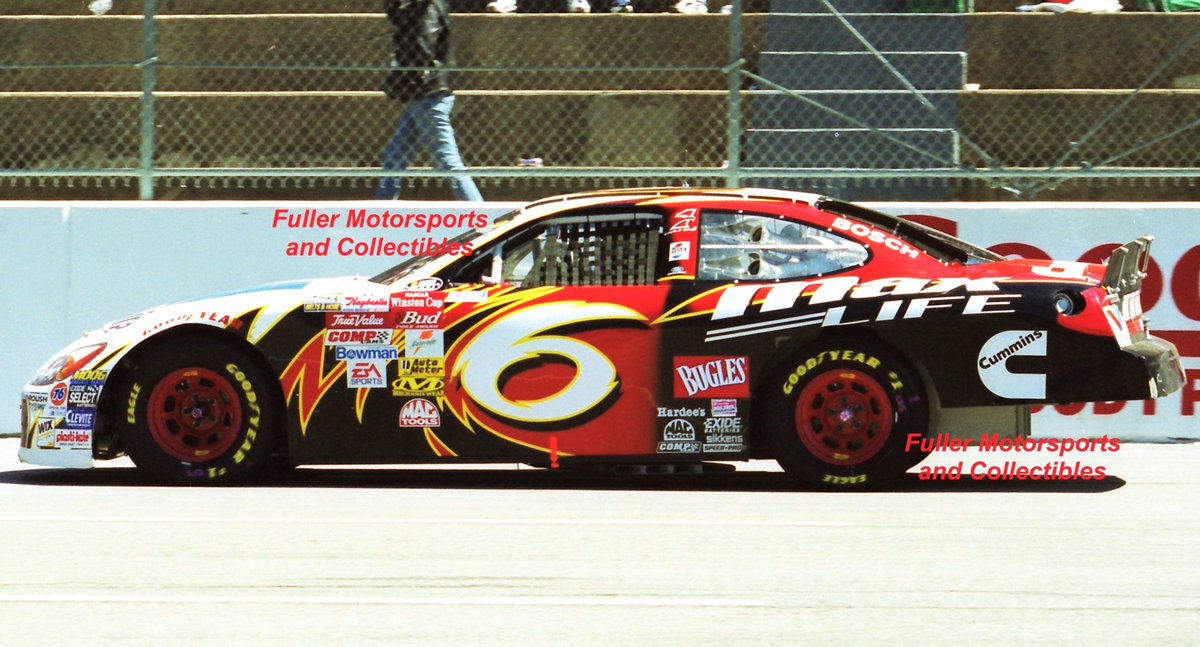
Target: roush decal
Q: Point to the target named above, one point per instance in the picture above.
(993, 364)
(683, 221)
(420, 412)
(712, 377)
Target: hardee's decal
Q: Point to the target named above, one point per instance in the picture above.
(712, 377)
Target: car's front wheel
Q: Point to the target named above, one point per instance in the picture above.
(198, 411)
(840, 414)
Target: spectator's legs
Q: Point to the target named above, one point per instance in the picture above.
(400, 150)
(437, 136)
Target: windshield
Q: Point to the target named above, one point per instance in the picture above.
(414, 263)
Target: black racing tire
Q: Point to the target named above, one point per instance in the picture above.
(838, 415)
(198, 411)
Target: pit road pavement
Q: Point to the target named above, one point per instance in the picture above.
(508, 556)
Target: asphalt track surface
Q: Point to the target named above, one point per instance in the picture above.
(507, 556)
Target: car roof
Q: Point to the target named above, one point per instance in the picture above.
(638, 195)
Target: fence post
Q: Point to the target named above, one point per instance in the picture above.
(733, 118)
(149, 59)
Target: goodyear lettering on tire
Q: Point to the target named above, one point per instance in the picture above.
(806, 366)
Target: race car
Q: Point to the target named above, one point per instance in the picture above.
(667, 327)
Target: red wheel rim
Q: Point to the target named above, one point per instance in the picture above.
(843, 417)
(194, 414)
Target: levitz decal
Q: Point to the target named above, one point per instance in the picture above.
(875, 236)
(712, 377)
(879, 300)
(359, 337)
(420, 412)
(993, 364)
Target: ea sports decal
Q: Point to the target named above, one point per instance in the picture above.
(712, 377)
(420, 412)
(993, 364)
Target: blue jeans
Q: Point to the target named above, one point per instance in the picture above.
(426, 122)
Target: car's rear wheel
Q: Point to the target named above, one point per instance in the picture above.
(839, 414)
(198, 411)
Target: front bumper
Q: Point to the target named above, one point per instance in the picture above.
(54, 435)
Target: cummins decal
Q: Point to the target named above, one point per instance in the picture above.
(993, 364)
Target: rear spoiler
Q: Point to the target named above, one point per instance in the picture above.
(1127, 266)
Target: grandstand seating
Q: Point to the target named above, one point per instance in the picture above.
(1024, 64)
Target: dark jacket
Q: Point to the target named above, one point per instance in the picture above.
(421, 40)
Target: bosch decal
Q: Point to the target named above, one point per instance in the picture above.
(709, 377)
(874, 235)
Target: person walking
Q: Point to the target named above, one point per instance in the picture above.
(421, 53)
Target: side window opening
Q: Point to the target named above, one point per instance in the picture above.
(598, 249)
(738, 246)
(594, 250)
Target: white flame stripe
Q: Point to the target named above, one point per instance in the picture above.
(814, 319)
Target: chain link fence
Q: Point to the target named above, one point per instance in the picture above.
(204, 99)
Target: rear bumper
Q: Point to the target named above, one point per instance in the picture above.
(1163, 365)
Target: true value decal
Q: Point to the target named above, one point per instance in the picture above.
(712, 377)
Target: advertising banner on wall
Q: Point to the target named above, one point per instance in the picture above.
(1089, 233)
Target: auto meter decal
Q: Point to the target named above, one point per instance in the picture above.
(712, 377)
(539, 361)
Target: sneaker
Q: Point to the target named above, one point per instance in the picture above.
(621, 6)
(690, 7)
(502, 6)
(579, 6)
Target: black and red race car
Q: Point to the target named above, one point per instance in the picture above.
(639, 326)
